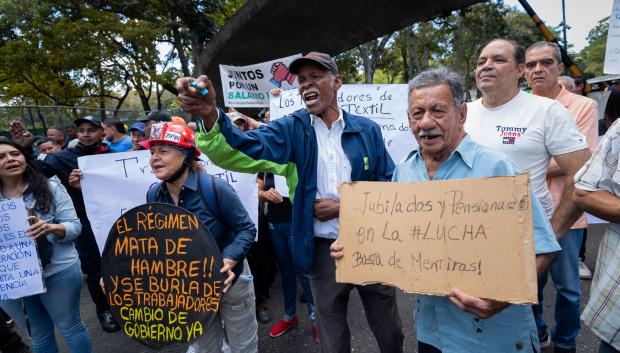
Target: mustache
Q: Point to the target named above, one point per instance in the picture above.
(431, 132)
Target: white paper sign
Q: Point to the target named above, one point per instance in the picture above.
(384, 104)
(116, 182)
(612, 51)
(20, 268)
(249, 86)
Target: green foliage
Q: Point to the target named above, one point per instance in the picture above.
(592, 57)
(453, 41)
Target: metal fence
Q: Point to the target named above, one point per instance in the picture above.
(38, 118)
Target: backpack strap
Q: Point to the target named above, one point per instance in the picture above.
(150, 195)
(211, 195)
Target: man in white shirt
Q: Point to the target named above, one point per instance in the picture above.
(543, 66)
(528, 128)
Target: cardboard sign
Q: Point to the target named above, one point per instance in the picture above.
(384, 104)
(249, 86)
(116, 182)
(612, 50)
(20, 268)
(161, 269)
(430, 237)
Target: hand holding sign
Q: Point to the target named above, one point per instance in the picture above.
(194, 102)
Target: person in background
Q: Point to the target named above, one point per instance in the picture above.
(115, 136)
(54, 223)
(46, 145)
(174, 163)
(579, 86)
(278, 212)
(192, 126)
(71, 132)
(64, 165)
(57, 134)
(152, 118)
(567, 82)
(597, 191)
(543, 66)
(137, 135)
(10, 341)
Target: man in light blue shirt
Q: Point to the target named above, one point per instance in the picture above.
(460, 322)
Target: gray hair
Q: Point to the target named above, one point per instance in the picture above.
(440, 76)
(542, 44)
(567, 82)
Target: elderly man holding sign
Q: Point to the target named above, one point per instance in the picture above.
(460, 322)
(316, 148)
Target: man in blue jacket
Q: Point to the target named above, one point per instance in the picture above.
(316, 149)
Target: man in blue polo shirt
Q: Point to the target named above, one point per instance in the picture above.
(460, 322)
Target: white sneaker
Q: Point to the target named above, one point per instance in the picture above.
(584, 271)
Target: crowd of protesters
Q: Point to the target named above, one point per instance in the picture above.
(316, 149)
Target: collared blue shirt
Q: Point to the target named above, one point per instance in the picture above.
(235, 234)
(438, 321)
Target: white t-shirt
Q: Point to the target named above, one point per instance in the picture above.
(529, 129)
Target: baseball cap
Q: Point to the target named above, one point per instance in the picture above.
(90, 119)
(321, 59)
(158, 115)
(139, 127)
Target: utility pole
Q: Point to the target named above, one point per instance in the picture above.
(564, 25)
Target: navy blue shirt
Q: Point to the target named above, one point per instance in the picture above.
(234, 234)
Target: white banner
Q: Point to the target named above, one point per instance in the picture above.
(20, 268)
(249, 86)
(116, 182)
(612, 51)
(384, 104)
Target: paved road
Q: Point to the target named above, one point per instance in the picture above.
(300, 339)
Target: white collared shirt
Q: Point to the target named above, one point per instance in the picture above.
(333, 169)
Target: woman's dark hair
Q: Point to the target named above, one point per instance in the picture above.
(38, 185)
(612, 109)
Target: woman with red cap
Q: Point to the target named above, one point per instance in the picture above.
(174, 160)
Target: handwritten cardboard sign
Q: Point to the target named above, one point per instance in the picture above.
(20, 268)
(474, 234)
(161, 269)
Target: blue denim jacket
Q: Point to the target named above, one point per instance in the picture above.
(62, 212)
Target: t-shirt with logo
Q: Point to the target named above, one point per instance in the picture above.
(529, 129)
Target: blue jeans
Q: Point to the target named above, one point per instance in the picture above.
(565, 274)
(281, 239)
(60, 306)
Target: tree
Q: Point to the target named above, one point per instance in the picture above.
(592, 56)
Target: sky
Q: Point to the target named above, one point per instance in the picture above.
(581, 16)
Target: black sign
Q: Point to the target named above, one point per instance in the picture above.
(161, 269)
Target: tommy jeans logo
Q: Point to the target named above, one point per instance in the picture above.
(509, 134)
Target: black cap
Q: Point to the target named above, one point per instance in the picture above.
(90, 119)
(321, 59)
(159, 115)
